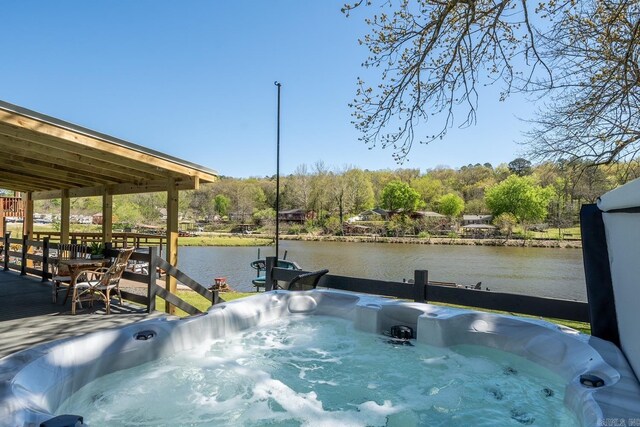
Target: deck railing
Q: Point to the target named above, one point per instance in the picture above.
(11, 206)
(118, 239)
(34, 257)
(18, 256)
(423, 291)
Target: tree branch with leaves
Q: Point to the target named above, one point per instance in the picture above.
(581, 57)
(434, 55)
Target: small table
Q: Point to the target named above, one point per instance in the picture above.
(76, 267)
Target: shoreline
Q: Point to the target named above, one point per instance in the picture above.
(529, 243)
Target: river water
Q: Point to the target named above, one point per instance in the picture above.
(545, 272)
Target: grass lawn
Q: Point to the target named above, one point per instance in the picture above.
(203, 240)
(220, 240)
(16, 228)
(199, 302)
(552, 233)
(202, 304)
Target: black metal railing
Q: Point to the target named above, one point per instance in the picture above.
(34, 257)
(421, 290)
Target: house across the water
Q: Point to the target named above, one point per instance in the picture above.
(476, 219)
(296, 215)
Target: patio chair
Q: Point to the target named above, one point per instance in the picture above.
(306, 281)
(60, 275)
(103, 282)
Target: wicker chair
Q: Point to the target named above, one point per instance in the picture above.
(306, 281)
(102, 282)
(60, 276)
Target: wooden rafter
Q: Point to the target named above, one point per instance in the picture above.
(75, 161)
(43, 155)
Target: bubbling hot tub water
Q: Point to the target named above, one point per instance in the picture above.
(322, 358)
(320, 371)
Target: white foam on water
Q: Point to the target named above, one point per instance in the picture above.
(318, 371)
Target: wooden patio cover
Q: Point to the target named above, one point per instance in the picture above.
(47, 158)
(43, 156)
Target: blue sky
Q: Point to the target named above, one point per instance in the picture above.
(194, 79)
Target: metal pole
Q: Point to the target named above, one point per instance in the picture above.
(278, 174)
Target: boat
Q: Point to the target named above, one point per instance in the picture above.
(260, 265)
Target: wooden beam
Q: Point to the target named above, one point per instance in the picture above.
(12, 185)
(42, 143)
(73, 160)
(32, 183)
(79, 175)
(172, 239)
(146, 187)
(107, 217)
(52, 174)
(24, 125)
(65, 216)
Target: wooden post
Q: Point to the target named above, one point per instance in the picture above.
(45, 259)
(65, 216)
(420, 283)
(25, 250)
(74, 254)
(27, 225)
(269, 284)
(3, 223)
(107, 216)
(172, 239)
(7, 248)
(151, 293)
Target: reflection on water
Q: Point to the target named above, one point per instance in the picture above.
(547, 272)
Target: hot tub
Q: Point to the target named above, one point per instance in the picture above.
(597, 385)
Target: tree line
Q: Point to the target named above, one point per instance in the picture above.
(517, 192)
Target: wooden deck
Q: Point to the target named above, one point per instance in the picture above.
(28, 317)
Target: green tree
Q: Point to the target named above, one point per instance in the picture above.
(399, 225)
(470, 181)
(299, 188)
(521, 197)
(149, 205)
(400, 195)
(320, 195)
(476, 206)
(505, 223)
(221, 204)
(333, 225)
(430, 188)
(520, 166)
(264, 216)
(451, 205)
(359, 191)
(126, 212)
